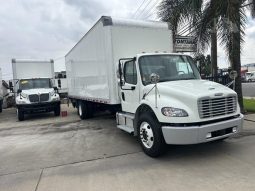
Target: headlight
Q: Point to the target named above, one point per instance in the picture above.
(174, 112)
(20, 102)
(55, 98)
(23, 95)
(52, 93)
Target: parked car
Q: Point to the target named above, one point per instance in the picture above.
(250, 76)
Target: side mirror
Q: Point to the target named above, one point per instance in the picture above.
(10, 86)
(154, 78)
(19, 91)
(59, 83)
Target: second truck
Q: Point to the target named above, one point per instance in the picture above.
(129, 67)
(34, 87)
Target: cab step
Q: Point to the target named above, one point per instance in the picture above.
(125, 122)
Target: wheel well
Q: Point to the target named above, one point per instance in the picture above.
(140, 110)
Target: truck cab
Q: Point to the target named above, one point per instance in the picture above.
(164, 101)
(36, 95)
(34, 87)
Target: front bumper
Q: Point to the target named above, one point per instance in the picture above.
(201, 133)
(38, 107)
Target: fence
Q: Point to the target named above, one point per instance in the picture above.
(224, 80)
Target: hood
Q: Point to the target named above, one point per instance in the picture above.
(185, 94)
(195, 88)
(38, 91)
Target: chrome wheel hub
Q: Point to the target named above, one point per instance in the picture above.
(80, 110)
(146, 135)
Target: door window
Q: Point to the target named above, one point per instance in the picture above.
(130, 74)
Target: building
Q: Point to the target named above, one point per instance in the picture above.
(249, 67)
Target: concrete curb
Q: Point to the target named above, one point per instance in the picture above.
(249, 97)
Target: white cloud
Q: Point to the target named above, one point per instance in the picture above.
(48, 29)
(45, 29)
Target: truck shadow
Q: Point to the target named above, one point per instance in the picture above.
(198, 151)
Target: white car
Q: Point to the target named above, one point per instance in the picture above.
(250, 76)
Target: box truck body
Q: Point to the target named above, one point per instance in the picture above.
(92, 64)
(129, 66)
(34, 87)
(1, 92)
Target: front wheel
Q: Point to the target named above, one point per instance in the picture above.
(150, 136)
(21, 115)
(57, 110)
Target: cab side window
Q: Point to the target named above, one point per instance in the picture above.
(130, 74)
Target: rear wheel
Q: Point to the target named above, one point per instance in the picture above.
(85, 110)
(150, 136)
(57, 110)
(21, 115)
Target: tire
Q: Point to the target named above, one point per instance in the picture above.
(84, 110)
(21, 115)
(249, 80)
(150, 136)
(57, 110)
(1, 107)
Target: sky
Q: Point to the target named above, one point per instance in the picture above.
(48, 29)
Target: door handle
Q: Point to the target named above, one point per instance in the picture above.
(123, 96)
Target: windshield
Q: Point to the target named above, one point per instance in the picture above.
(168, 67)
(34, 84)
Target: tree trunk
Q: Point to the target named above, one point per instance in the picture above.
(214, 59)
(235, 58)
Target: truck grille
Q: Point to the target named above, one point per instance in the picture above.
(44, 97)
(217, 106)
(38, 98)
(33, 98)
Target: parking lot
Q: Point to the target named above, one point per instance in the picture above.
(47, 153)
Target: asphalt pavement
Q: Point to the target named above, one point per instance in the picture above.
(48, 153)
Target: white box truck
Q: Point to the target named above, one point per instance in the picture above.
(1, 92)
(129, 66)
(34, 87)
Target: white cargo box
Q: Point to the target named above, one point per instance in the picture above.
(27, 69)
(92, 63)
(1, 88)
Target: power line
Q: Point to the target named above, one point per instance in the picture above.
(152, 8)
(133, 16)
(142, 11)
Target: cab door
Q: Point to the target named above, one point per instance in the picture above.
(130, 88)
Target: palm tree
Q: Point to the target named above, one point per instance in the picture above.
(227, 17)
(231, 22)
(180, 12)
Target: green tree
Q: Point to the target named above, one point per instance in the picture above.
(182, 13)
(230, 19)
(205, 64)
(227, 17)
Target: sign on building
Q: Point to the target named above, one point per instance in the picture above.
(185, 44)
